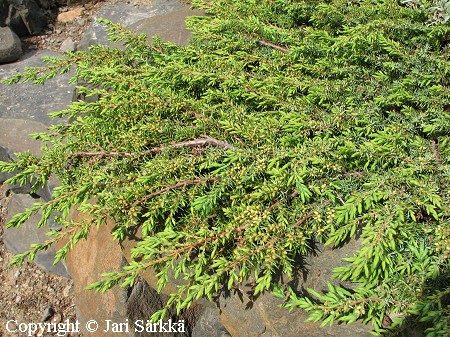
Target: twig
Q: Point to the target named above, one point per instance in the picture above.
(306, 217)
(196, 142)
(353, 174)
(274, 46)
(435, 151)
(191, 143)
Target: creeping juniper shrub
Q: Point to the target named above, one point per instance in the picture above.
(281, 124)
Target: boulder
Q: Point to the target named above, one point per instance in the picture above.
(98, 254)
(23, 111)
(19, 239)
(10, 45)
(15, 137)
(86, 262)
(25, 17)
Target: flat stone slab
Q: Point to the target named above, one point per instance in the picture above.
(169, 26)
(19, 239)
(164, 18)
(30, 101)
(24, 109)
(15, 135)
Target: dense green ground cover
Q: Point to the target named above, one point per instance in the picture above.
(282, 124)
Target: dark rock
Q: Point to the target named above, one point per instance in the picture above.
(20, 189)
(319, 265)
(3, 12)
(25, 17)
(46, 192)
(19, 239)
(243, 315)
(144, 301)
(4, 156)
(14, 136)
(209, 325)
(45, 4)
(10, 45)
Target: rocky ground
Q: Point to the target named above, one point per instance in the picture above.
(27, 293)
(68, 24)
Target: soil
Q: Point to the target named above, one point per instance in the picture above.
(27, 293)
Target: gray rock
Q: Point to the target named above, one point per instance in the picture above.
(68, 45)
(14, 135)
(209, 325)
(243, 315)
(168, 21)
(32, 102)
(46, 192)
(19, 239)
(80, 21)
(4, 156)
(10, 45)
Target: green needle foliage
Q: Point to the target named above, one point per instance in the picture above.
(283, 123)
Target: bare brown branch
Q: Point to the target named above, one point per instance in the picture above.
(206, 140)
(434, 149)
(274, 46)
(304, 218)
